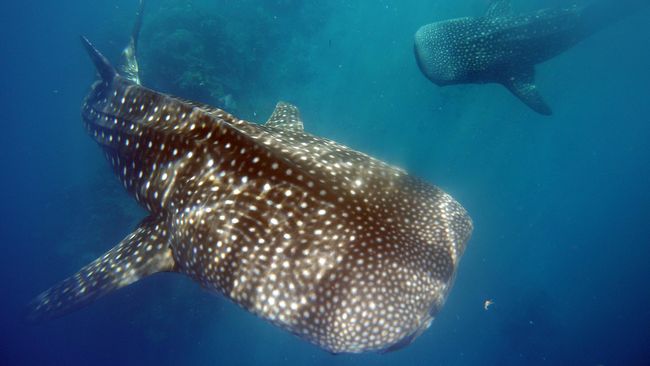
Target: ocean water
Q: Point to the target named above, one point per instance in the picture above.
(560, 204)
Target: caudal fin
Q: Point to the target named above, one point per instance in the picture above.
(131, 69)
(103, 66)
(144, 252)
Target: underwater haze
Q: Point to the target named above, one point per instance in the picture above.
(560, 204)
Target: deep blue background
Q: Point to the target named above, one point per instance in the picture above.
(561, 205)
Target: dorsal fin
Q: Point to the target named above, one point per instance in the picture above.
(521, 83)
(285, 116)
(130, 68)
(499, 8)
(104, 67)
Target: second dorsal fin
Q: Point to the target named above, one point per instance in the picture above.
(285, 116)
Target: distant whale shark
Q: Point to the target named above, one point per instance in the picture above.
(341, 249)
(504, 48)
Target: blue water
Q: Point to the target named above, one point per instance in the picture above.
(561, 205)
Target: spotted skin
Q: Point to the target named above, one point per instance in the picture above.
(341, 249)
(504, 48)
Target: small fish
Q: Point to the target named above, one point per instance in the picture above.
(502, 47)
(340, 249)
(487, 304)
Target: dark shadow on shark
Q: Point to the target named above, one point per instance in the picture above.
(504, 48)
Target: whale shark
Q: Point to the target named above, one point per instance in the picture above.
(341, 249)
(503, 47)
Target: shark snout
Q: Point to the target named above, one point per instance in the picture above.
(432, 56)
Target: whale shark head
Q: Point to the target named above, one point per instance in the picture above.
(433, 53)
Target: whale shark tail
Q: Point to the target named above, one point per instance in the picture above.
(602, 13)
(131, 69)
(104, 68)
(142, 253)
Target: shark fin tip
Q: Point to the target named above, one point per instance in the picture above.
(104, 67)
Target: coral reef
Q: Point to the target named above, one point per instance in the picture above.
(224, 53)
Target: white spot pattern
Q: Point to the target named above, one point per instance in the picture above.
(339, 248)
(499, 48)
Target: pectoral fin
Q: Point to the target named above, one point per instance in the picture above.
(522, 84)
(142, 253)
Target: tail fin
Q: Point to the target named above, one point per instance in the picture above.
(144, 252)
(130, 68)
(602, 13)
(104, 67)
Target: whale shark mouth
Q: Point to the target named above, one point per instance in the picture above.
(409, 338)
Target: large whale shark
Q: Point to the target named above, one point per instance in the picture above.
(339, 248)
(502, 47)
